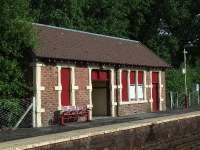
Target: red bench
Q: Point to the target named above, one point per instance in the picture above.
(72, 113)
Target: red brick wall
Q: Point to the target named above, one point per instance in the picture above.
(49, 97)
(82, 81)
(130, 109)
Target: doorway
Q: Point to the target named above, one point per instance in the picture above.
(155, 93)
(100, 93)
(65, 82)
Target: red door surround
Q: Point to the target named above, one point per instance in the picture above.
(100, 75)
(65, 82)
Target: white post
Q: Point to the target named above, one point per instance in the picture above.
(145, 94)
(33, 114)
(119, 86)
(73, 86)
(59, 88)
(112, 92)
(38, 89)
(89, 88)
(136, 84)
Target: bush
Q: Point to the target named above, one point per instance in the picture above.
(175, 80)
(10, 112)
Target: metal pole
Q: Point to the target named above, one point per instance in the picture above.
(171, 98)
(185, 66)
(23, 116)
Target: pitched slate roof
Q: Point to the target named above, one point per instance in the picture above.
(61, 43)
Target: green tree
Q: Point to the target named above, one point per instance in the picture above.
(164, 26)
(16, 37)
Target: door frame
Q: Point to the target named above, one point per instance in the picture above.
(73, 87)
(68, 86)
(109, 89)
(108, 104)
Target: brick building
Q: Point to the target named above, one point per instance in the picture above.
(111, 76)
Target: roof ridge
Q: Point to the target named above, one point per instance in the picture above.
(85, 32)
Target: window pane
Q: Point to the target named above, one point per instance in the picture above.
(132, 92)
(140, 91)
(154, 77)
(140, 77)
(132, 77)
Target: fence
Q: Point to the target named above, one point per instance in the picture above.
(15, 112)
(18, 113)
(176, 100)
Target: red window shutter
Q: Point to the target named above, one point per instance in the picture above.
(103, 75)
(154, 77)
(94, 75)
(124, 86)
(132, 77)
(140, 77)
(65, 82)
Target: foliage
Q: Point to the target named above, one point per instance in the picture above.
(16, 38)
(11, 109)
(164, 26)
(176, 81)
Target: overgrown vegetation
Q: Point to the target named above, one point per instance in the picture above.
(164, 26)
(16, 37)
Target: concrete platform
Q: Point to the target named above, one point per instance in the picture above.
(92, 131)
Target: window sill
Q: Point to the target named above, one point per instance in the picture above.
(133, 102)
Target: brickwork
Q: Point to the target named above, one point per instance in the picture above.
(130, 109)
(172, 135)
(81, 79)
(49, 97)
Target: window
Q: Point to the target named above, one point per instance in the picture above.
(140, 88)
(135, 90)
(132, 88)
(124, 79)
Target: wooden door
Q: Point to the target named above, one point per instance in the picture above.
(155, 97)
(65, 82)
(155, 91)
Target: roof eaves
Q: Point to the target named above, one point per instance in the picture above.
(101, 62)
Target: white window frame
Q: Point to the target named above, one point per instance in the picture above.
(136, 99)
(143, 86)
